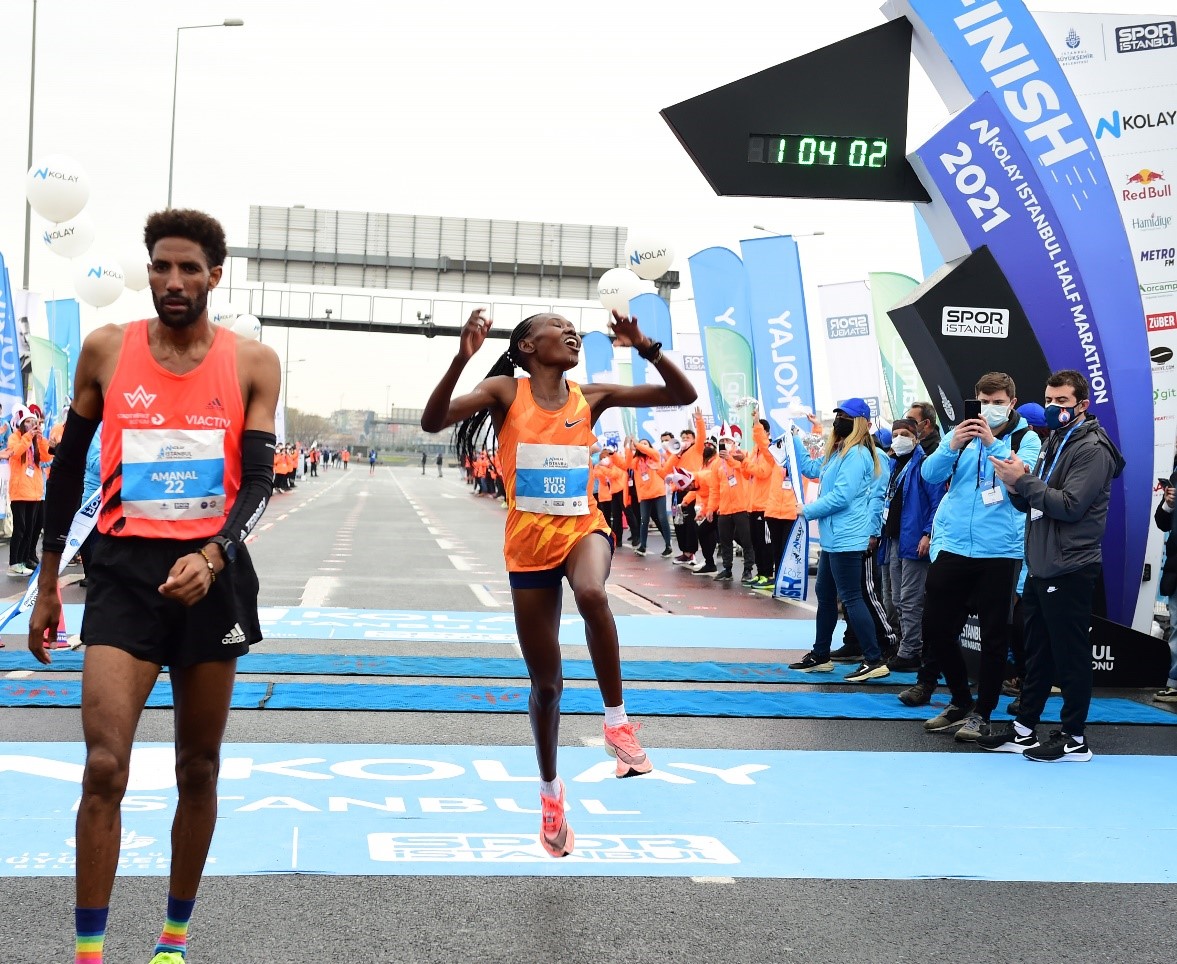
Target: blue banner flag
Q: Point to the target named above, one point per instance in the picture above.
(11, 384)
(930, 257)
(721, 304)
(780, 329)
(970, 50)
(52, 403)
(65, 331)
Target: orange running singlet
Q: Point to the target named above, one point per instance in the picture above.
(545, 458)
(171, 444)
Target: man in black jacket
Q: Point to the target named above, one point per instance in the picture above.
(1066, 501)
(1164, 520)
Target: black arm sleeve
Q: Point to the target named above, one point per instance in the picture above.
(257, 484)
(63, 494)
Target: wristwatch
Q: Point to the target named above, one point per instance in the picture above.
(227, 546)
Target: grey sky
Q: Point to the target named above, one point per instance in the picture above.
(521, 110)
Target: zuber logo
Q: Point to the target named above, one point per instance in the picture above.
(1163, 321)
(140, 396)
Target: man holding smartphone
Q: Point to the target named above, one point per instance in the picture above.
(976, 552)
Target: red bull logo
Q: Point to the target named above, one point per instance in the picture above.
(1145, 185)
(1146, 177)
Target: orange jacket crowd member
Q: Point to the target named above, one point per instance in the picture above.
(687, 461)
(346, 456)
(761, 467)
(26, 450)
(554, 528)
(481, 467)
(781, 509)
(732, 500)
(650, 482)
(705, 504)
(611, 478)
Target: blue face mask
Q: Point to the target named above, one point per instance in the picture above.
(1059, 416)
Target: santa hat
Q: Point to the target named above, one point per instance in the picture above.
(19, 415)
(680, 479)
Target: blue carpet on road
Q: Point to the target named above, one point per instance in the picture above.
(581, 700)
(684, 632)
(473, 810)
(474, 667)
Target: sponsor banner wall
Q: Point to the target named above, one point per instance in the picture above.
(852, 350)
(780, 330)
(1123, 69)
(721, 304)
(901, 382)
(971, 49)
(599, 367)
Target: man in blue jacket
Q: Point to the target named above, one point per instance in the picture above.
(976, 550)
(909, 507)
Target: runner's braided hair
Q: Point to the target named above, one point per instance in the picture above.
(472, 434)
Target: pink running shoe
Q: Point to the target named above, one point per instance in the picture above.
(555, 834)
(620, 742)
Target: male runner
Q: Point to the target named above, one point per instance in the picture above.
(187, 411)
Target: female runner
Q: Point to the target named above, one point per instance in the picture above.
(544, 426)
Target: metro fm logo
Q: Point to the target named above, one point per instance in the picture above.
(1145, 185)
(140, 396)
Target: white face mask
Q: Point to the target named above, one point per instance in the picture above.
(995, 415)
(902, 445)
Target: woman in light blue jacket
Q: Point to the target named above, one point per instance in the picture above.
(846, 511)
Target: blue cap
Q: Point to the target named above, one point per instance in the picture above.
(1034, 414)
(883, 437)
(855, 408)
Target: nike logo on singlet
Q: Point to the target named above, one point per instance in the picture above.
(568, 424)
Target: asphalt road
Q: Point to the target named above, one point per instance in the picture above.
(399, 540)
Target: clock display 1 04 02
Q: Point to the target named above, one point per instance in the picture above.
(818, 150)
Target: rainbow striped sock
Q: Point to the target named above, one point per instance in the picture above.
(90, 933)
(174, 938)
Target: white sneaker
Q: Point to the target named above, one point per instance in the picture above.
(19, 570)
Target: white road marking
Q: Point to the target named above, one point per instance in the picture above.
(797, 602)
(445, 544)
(329, 569)
(433, 532)
(316, 591)
(460, 563)
(294, 851)
(593, 741)
(19, 674)
(714, 880)
(635, 600)
(483, 594)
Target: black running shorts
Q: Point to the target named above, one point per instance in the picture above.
(124, 607)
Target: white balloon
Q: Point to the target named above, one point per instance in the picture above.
(226, 314)
(248, 326)
(617, 286)
(135, 269)
(98, 278)
(57, 188)
(70, 238)
(648, 255)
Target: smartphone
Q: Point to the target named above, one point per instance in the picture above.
(972, 408)
(722, 445)
(1164, 483)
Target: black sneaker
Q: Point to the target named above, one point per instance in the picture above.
(868, 670)
(847, 654)
(811, 663)
(747, 579)
(903, 664)
(1003, 738)
(1060, 748)
(639, 550)
(706, 569)
(918, 695)
(725, 575)
(667, 551)
(949, 720)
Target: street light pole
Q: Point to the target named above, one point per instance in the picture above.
(786, 234)
(231, 22)
(32, 90)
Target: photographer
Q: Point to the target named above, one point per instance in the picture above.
(976, 551)
(1164, 521)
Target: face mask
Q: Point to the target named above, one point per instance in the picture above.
(1059, 416)
(902, 445)
(995, 415)
(708, 451)
(843, 426)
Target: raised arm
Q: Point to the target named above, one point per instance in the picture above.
(677, 389)
(443, 410)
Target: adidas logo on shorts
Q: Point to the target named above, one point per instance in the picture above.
(234, 637)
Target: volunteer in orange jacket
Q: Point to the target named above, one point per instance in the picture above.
(649, 480)
(27, 449)
(611, 478)
(759, 467)
(782, 503)
(732, 482)
(688, 460)
(706, 501)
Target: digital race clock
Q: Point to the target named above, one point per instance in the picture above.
(808, 150)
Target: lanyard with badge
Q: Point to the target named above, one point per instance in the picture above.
(1045, 471)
